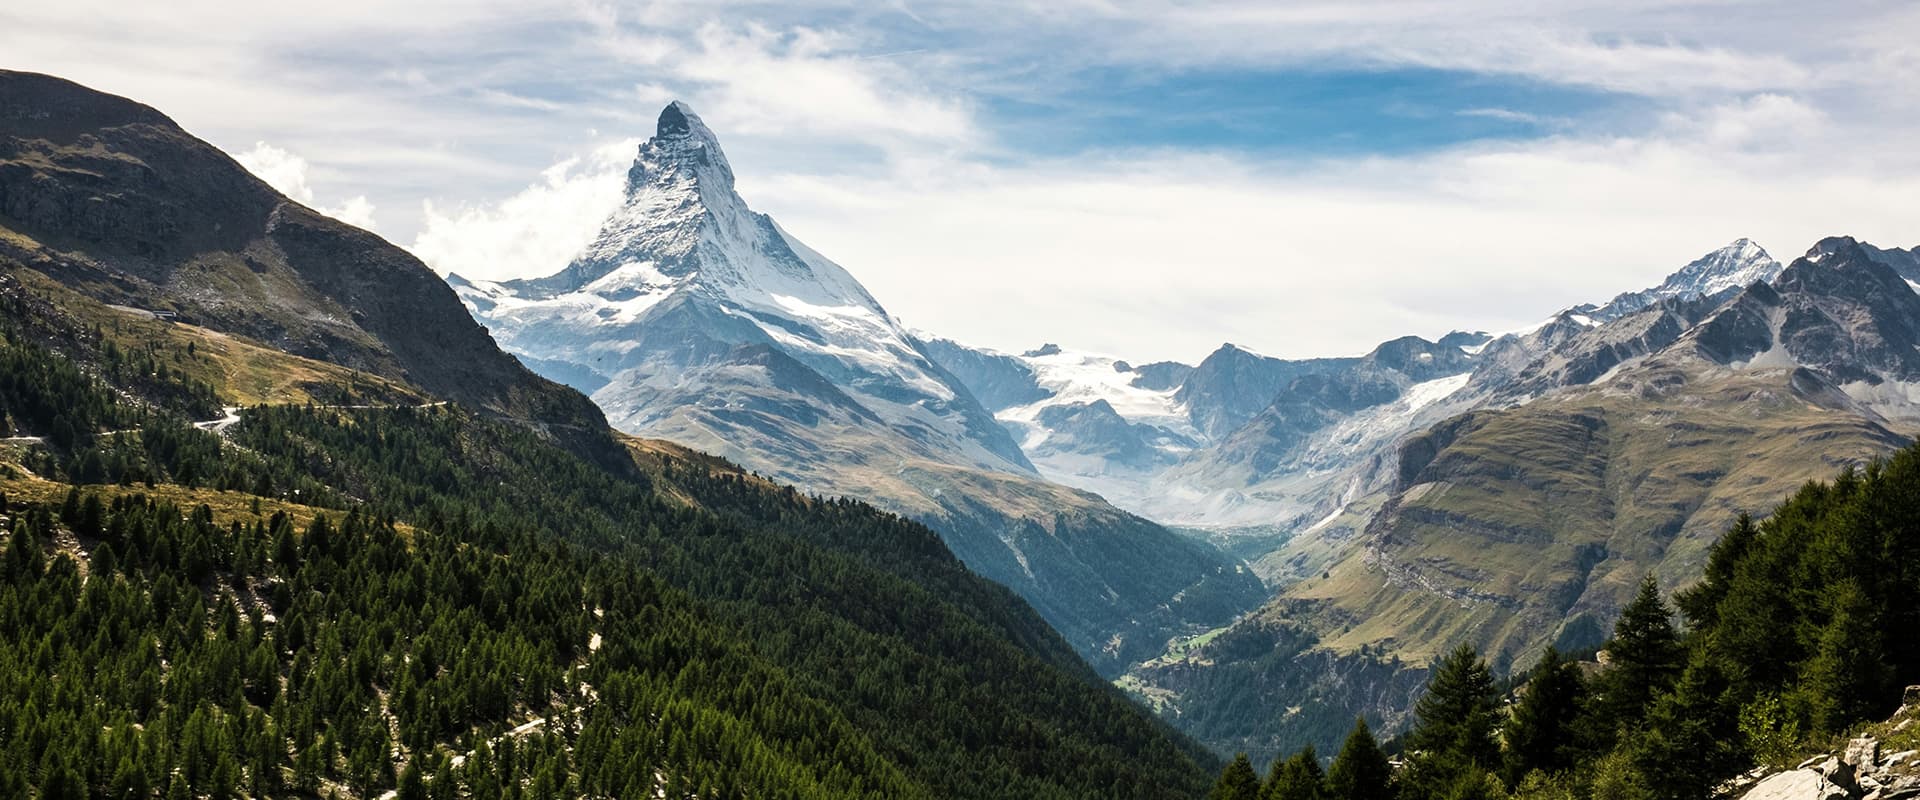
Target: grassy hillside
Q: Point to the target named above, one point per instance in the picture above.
(1539, 522)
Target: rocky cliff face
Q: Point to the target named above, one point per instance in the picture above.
(1233, 384)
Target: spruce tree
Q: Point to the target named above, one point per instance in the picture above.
(1540, 734)
(23, 551)
(412, 785)
(1452, 749)
(59, 781)
(1237, 782)
(1848, 676)
(1296, 778)
(1645, 658)
(1688, 744)
(1458, 714)
(1361, 771)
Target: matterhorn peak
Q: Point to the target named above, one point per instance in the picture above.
(682, 147)
(677, 119)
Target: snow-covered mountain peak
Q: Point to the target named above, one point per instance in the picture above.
(684, 273)
(1740, 264)
(682, 226)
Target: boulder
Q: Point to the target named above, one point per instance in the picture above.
(1904, 786)
(1862, 753)
(1838, 773)
(1799, 784)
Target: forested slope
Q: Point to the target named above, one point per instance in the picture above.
(350, 584)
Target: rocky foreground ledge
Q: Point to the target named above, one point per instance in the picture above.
(1881, 764)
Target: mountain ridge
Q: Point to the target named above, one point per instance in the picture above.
(126, 206)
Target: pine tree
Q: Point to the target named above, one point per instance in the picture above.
(60, 781)
(1452, 749)
(23, 551)
(1296, 778)
(1237, 782)
(1361, 771)
(1540, 735)
(1457, 715)
(1645, 658)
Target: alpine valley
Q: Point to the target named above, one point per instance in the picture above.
(288, 514)
(1290, 543)
(1501, 491)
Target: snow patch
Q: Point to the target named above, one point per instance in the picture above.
(1076, 377)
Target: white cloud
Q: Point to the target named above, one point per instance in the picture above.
(356, 211)
(1153, 255)
(1763, 121)
(534, 232)
(756, 80)
(282, 170)
(1166, 256)
(287, 173)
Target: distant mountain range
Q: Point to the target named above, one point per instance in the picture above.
(1505, 491)
(1253, 444)
(1526, 512)
(1396, 502)
(693, 318)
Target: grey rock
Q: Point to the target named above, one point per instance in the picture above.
(1863, 752)
(1839, 773)
(1799, 784)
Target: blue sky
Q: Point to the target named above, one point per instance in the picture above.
(1143, 178)
(1297, 112)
